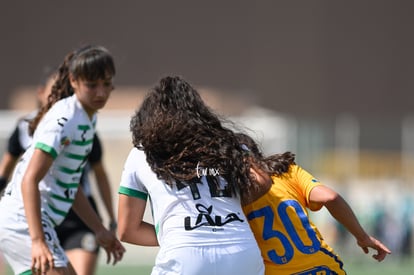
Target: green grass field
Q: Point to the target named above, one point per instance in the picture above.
(362, 266)
(371, 267)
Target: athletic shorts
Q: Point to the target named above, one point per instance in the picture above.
(73, 233)
(210, 260)
(16, 244)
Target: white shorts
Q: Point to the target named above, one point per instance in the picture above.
(209, 260)
(16, 244)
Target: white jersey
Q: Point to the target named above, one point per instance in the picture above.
(24, 138)
(187, 215)
(66, 133)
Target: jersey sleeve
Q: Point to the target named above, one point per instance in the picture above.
(306, 182)
(130, 185)
(53, 135)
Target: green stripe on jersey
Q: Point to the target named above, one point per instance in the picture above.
(28, 272)
(82, 142)
(157, 228)
(133, 193)
(57, 211)
(74, 156)
(67, 185)
(62, 198)
(68, 170)
(46, 148)
(84, 127)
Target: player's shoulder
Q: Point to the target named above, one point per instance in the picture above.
(69, 110)
(137, 156)
(292, 171)
(64, 107)
(137, 167)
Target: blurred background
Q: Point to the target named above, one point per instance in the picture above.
(331, 81)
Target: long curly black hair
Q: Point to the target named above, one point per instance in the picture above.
(275, 164)
(178, 133)
(89, 63)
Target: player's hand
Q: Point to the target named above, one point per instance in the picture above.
(42, 258)
(111, 244)
(371, 242)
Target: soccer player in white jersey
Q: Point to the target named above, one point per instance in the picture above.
(189, 166)
(44, 185)
(76, 238)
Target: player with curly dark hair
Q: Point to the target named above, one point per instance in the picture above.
(190, 166)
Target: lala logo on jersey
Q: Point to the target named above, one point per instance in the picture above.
(206, 219)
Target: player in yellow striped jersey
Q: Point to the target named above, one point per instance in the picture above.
(278, 215)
